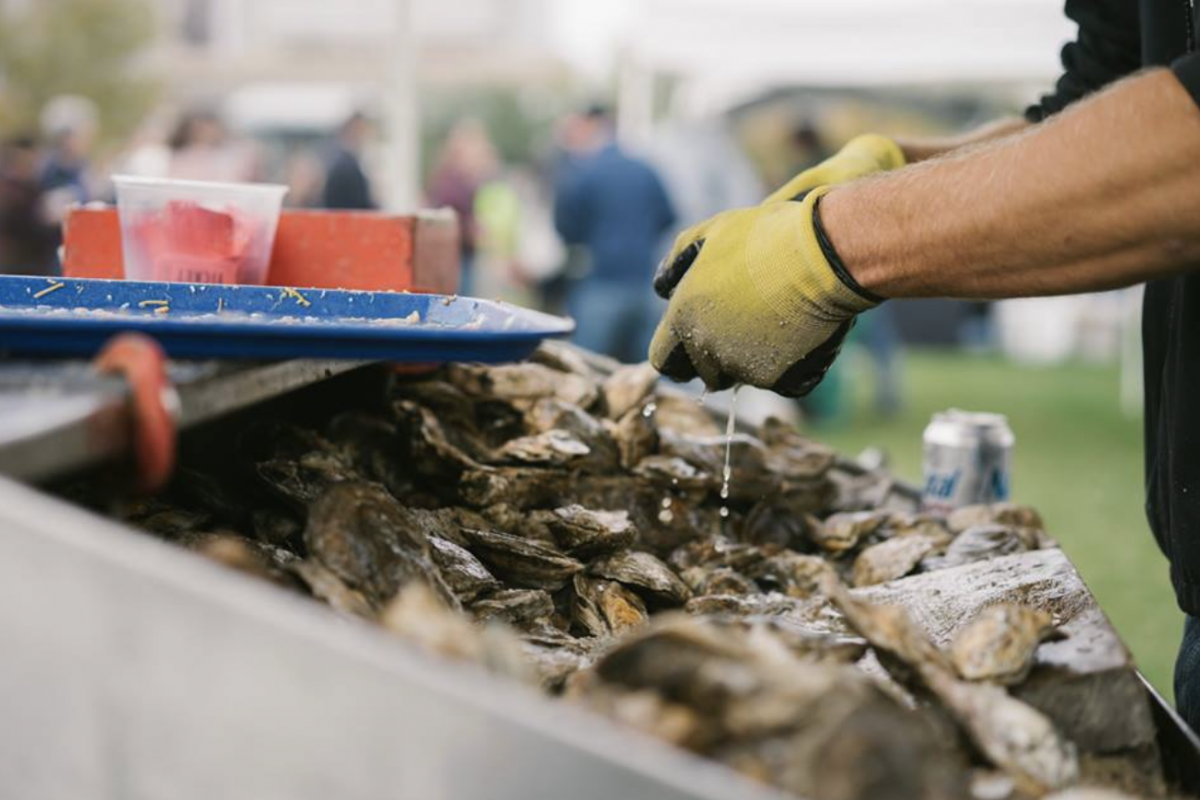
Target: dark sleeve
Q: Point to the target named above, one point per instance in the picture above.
(1107, 47)
(346, 186)
(1187, 69)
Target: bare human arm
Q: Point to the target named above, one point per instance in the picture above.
(1103, 195)
(916, 150)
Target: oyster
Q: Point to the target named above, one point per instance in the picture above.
(994, 514)
(466, 575)
(784, 519)
(983, 542)
(566, 357)
(1012, 735)
(324, 585)
(520, 607)
(719, 580)
(518, 487)
(436, 451)
(999, 643)
(584, 533)
(371, 542)
(300, 481)
(754, 605)
(606, 607)
(894, 558)
(276, 528)
(793, 574)
(636, 437)
(523, 562)
(794, 456)
(417, 615)
(673, 472)
(842, 532)
(369, 444)
(682, 416)
(626, 388)
(554, 448)
(549, 414)
(527, 382)
(644, 572)
(804, 726)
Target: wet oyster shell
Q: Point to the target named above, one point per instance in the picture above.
(523, 382)
(636, 437)
(324, 585)
(465, 574)
(982, 542)
(584, 533)
(520, 607)
(840, 533)
(643, 572)
(554, 448)
(895, 557)
(627, 388)
(998, 645)
(1012, 735)
(605, 607)
(371, 542)
(523, 562)
(1009, 514)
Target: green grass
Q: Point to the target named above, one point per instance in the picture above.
(1078, 460)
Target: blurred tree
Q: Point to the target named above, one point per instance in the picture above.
(84, 47)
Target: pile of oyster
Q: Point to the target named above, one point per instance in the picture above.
(565, 522)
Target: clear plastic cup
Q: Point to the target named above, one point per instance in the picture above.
(196, 231)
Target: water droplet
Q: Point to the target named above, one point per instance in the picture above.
(665, 517)
(730, 425)
(703, 396)
(666, 503)
(674, 481)
(724, 512)
(649, 410)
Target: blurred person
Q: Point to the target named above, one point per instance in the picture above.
(147, 154)
(28, 236)
(614, 207)
(70, 124)
(304, 174)
(1096, 187)
(346, 184)
(466, 161)
(202, 150)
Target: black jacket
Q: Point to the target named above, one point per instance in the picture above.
(1117, 37)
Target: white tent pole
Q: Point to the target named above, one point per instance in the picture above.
(401, 117)
(635, 103)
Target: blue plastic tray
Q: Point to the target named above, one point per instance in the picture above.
(76, 317)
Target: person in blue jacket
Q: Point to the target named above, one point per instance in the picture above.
(614, 208)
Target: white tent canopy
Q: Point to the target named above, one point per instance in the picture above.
(727, 48)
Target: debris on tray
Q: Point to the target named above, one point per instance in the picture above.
(564, 524)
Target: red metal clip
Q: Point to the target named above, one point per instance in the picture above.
(142, 362)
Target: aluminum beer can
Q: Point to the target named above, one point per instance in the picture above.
(967, 459)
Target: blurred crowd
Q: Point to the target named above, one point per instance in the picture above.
(43, 173)
(578, 229)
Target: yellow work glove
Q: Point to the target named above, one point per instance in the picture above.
(861, 156)
(759, 297)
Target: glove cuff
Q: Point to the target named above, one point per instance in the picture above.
(797, 281)
(835, 260)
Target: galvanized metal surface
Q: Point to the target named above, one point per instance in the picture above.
(58, 416)
(132, 670)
